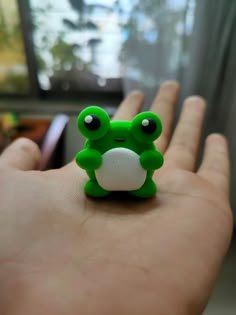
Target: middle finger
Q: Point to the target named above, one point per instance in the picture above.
(164, 106)
(182, 151)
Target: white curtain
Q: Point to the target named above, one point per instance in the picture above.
(159, 34)
(212, 71)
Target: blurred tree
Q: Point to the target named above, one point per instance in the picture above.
(85, 22)
(78, 5)
(4, 36)
(63, 53)
(14, 75)
(14, 83)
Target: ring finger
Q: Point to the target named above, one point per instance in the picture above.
(183, 148)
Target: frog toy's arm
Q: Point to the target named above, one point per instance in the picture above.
(89, 159)
(151, 160)
(146, 127)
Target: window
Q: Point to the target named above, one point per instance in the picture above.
(92, 45)
(84, 46)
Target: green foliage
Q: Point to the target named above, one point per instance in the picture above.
(12, 53)
(62, 52)
(15, 83)
(9, 34)
(4, 37)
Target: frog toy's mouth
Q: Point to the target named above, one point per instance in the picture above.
(120, 139)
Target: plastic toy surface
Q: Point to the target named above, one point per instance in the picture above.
(119, 155)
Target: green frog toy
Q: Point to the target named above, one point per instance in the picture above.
(119, 155)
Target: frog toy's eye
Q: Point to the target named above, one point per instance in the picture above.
(146, 127)
(93, 122)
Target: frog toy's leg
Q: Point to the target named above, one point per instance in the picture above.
(93, 189)
(147, 190)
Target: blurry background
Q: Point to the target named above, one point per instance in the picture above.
(58, 56)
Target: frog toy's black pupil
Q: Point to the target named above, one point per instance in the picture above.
(92, 122)
(149, 126)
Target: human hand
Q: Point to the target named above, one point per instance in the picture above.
(63, 253)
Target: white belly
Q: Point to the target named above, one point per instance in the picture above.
(120, 171)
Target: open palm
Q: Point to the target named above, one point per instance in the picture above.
(64, 253)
